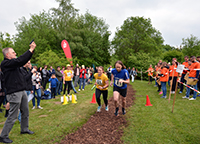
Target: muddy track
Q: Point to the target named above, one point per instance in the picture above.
(103, 127)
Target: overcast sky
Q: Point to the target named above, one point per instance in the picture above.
(175, 19)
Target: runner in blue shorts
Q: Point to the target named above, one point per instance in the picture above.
(121, 78)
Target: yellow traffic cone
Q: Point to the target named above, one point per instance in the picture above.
(73, 99)
(65, 100)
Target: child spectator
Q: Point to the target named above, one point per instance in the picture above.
(53, 80)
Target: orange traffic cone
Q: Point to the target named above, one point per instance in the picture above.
(93, 99)
(148, 103)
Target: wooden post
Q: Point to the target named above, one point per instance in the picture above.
(171, 85)
(175, 93)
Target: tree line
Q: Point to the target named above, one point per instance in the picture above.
(136, 42)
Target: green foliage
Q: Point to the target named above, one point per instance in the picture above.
(167, 56)
(167, 47)
(5, 41)
(50, 58)
(87, 35)
(141, 61)
(191, 46)
(137, 35)
(38, 27)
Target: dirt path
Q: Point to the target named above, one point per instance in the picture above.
(103, 127)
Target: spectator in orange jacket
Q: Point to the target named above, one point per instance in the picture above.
(150, 73)
(171, 71)
(164, 78)
(193, 75)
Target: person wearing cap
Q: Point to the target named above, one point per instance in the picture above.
(15, 85)
(82, 77)
(67, 79)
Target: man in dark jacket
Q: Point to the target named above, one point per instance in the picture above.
(16, 95)
(26, 71)
(76, 74)
(45, 77)
(59, 76)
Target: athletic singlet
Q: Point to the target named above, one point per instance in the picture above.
(123, 74)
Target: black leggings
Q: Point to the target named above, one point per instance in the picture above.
(150, 78)
(105, 96)
(69, 84)
(173, 83)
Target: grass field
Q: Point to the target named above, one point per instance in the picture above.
(154, 124)
(55, 120)
(157, 124)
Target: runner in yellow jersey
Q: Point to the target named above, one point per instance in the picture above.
(101, 88)
(67, 78)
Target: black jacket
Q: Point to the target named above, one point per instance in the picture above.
(28, 77)
(14, 79)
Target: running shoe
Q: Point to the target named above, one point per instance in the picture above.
(123, 111)
(39, 107)
(33, 107)
(185, 97)
(79, 90)
(160, 93)
(180, 92)
(198, 95)
(163, 97)
(106, 108)
(192, 98)
(82, 89)
(99, 109)
(116, 111)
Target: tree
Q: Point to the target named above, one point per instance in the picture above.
(87, 35)
(95, 36)
(137, 35)
(167, 47)
(169, 55)
(5, 41)
(191, 46)
(38, 27)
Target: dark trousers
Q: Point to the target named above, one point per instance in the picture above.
(150, 78)
(173, 83)
(159, 87)
(69, 84)
(198, 83)
(105, 96)
(44, 82)
(53, 92)
(2, 96)
(1, 100)
(183, 81)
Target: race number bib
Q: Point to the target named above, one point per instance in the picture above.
(117, 83)
(68, 74)
(99, 82)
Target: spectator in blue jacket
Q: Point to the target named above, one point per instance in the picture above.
(53, 80)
